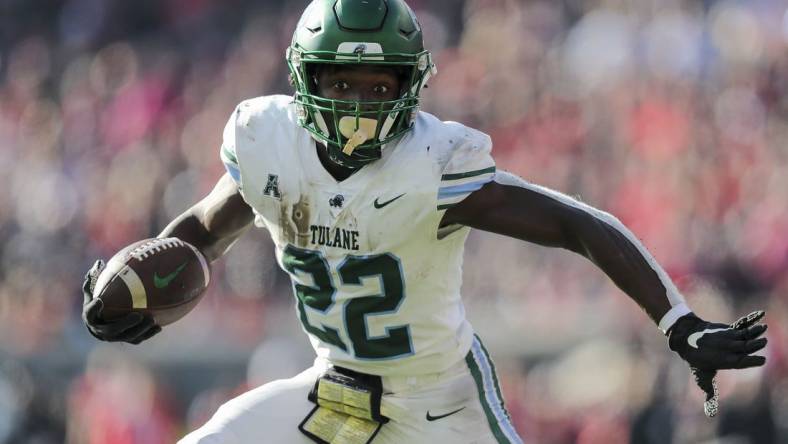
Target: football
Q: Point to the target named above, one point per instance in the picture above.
(163, 277)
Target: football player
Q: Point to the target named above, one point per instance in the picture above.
(369, 202)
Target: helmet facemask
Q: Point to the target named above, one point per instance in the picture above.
(354, 131)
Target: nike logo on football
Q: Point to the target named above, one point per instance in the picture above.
(379, 205)
(695, 337)
(435, 418)
(161, 282)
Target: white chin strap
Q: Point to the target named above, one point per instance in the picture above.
(321, 123)
(389, 122)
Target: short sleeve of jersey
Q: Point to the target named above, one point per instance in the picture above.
(227, 152)
(470, 166)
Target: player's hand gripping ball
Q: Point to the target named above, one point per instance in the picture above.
(156, 281)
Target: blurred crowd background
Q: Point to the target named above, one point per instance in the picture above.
(671, 114)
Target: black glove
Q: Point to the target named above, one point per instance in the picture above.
(132, 328)
(709, 347)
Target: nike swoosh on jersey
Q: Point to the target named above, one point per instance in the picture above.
(693, 339)
(161, 282)
(381, 205)
(435, 418)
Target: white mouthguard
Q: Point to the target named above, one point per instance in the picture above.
(356, 136)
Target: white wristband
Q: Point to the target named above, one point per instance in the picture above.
(672, 316)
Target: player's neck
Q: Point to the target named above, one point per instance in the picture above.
(338, 172)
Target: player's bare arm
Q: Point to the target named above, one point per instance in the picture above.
(513, 207)
(215, 222)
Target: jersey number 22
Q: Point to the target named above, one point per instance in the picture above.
(320, 296)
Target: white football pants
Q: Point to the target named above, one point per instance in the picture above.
(419, 407)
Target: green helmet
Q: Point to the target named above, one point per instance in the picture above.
(351, 32)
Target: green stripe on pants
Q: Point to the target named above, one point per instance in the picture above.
(491, 419)
(494, 375)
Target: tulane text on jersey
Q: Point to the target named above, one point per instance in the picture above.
(336, 237)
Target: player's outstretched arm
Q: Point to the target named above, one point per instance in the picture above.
(211, 225)
(513, 207)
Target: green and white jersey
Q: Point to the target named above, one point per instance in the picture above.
(377, 284)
